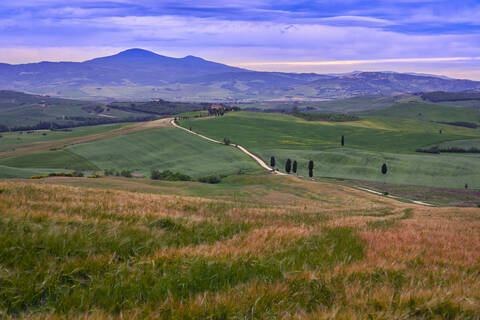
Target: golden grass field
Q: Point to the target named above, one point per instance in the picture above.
(253, 247)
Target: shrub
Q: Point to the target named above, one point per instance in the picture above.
(77, 173)
(60, 174)
(437, 149)
(94, 176)
(226, 140)
(126, 173)
(333, 117)
(169, 176)
(109, 172)
(41, 176)
(210, 179)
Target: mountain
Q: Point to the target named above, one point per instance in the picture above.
(387, 83)
(138, 74)
(130, 67)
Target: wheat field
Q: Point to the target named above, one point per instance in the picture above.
(267, 247)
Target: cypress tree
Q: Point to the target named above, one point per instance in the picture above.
(343, 140)
(288, 165)
(310, 168)
(294, 167)
(272, 161)
(384, 168)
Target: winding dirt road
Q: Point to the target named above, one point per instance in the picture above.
(266, 167)
(248, 153)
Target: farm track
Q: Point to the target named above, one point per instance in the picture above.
(248, 153)
(265, 166)
(15, 150)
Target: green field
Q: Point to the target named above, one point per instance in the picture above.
(18, 109)
(369, 143)
(445, 170)
(22, 137)
(466, 144)
(60, 159)
(12, 172)
(164, 149)
(427, 112)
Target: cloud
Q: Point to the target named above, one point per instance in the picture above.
(359, 62)
(326, 32)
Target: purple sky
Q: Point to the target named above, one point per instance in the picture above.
(440, 37)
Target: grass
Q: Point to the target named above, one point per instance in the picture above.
(61, 159)
(164, 149)
(427, 112)
(12, 172)
(259, 131)
(192, 114)
(22, 137)
(83, 252)
(71, 139)
(446, 170)
(368, 144)
(20, 109)
(448, 197)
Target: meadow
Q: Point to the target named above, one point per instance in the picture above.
(268, 247)
(428, 112)
(164, 149)
(14, 139)
(369, 143)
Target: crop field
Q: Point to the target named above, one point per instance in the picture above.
(369, 143)
(60, 159)
(83, 135)
(446, 170)
(139, 148)
(428, 112)
(24, 137)
(164, 149)
(267, 247)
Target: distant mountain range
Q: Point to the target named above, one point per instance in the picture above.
(137, 74)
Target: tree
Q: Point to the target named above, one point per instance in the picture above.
(294, 167)
(384, 168)
(288, 166)
(384, 172)
(310, 168)
(343, 140)
(226, 140)
(272, 161)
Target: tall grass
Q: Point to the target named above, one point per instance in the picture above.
(84, 253)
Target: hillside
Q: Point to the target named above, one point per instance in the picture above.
(137, 74)
(21, 111)
(252, 247)
(371, 141)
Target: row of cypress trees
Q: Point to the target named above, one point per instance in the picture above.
(292, 167)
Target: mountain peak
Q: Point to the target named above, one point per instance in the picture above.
(190, 57)
(136, 52)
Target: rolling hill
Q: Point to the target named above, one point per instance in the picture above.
(20, 111)
(138, 74)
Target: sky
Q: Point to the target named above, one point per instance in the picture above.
(438, 37)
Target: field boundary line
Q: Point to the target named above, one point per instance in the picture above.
(394, 197)
(40, 146)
